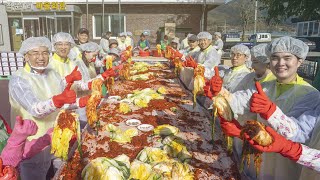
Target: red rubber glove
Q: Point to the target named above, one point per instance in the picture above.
(178, 55)
(190, 63)
(90, 85)
(286, 148)
(118, 68)
(94, 59)
(207, 90)
(260, 103)
(83, 101)
(75, 75)
(216, 82)
(66, 97)
(232, 128)
(193, 64)
(108, 73)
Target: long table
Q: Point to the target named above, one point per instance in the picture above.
(210, 159)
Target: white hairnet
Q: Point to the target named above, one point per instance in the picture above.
(34, 42)
(242, 49)
(63, 37)
(175, 40)
(129, 33)
(288, 44)
(90, 47)
(122, 34)
(259, 52)
(204, 35)
(218, 34)
(114, 51)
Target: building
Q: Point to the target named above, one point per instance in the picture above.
(23, 19)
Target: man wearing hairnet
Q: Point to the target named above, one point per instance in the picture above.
(288, 94)
(218, 43)
(61, 63)
(36, 93)
(207, 56)
(233, 76)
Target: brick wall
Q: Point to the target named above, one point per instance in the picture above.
(150, 17)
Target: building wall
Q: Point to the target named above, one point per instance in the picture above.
(150, 17)
(5, 29)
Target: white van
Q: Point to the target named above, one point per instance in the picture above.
(260, 37)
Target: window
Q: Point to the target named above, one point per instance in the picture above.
(310, 28)
(300, 29)
(1, 36)
(64, 24)
(111, 23)
(16, 33)
(305, 29)
(316, 29)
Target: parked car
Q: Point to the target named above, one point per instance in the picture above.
(311, 44)
(260, 38)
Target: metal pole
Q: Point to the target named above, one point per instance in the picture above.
(102, 30)
(225, 26)
(87, 24)
(203, 14)
(255, 17)
(119, 2)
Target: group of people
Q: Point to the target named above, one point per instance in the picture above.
(269, 91)
(46, 84)
(122, 42)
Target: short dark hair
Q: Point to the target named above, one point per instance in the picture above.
(142, 35)
(83, 31)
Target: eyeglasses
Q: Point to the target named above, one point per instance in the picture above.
(203, 40)
(236, 55)
(37, 54)
(59, 45)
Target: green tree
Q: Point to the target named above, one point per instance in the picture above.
(282, 9)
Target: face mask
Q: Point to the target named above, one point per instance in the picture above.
(38, 68)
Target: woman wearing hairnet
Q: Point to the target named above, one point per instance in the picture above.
(288, 93)
(88, 62)
(260, 65)
(36, 92)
